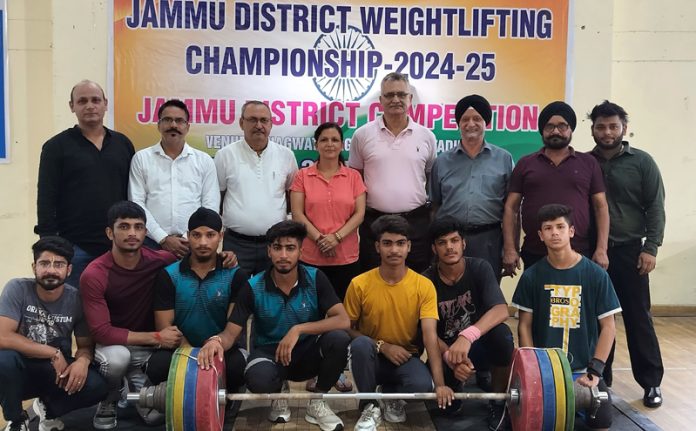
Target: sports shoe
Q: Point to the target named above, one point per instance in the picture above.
(395, 411)
(105, 417)
(497, 419)
(150, 416)
(319, 413)
(22, 425)
(370, 419)
(280, 412)
(39, 410)
(123, 402)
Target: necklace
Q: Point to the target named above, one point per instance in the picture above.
(452, 280)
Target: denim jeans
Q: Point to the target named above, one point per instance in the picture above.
(24, 378)
(79, 262)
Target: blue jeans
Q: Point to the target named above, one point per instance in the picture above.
(25, 378)
(370, 369)
(79, 262)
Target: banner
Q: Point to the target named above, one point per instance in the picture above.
(324, 61)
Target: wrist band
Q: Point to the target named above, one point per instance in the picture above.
(595, 367)
(158, 337)
(471, 333)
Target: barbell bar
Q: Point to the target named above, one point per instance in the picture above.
(541, 393)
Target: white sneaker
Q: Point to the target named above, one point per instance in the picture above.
(280, 412)
(105, 417)
(395, 411)
(319, 413)
(370, 419)
(39, 409)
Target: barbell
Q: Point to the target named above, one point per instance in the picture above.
(541, 394)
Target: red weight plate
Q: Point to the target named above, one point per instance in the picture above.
(209, 414)
(526, 378)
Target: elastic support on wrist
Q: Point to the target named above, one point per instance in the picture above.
(471, 333)
(595, 367)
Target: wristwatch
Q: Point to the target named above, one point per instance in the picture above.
(378, 344)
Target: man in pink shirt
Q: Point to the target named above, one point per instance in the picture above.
(395, 155)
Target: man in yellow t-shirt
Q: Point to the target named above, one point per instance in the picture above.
(385, 306)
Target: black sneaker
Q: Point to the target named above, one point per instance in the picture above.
(498, 419)
(20, 425)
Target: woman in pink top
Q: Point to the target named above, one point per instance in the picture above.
(329, 198)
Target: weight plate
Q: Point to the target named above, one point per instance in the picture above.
(210, 415)
(569, 390)
(560, 388)
(171, 382)
(526, 414)
(549, 392)
(190, 390)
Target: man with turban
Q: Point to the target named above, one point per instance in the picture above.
(560, 175)
(469, 183)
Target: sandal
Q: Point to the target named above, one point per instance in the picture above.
(343, 384)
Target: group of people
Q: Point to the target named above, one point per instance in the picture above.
(390, 254)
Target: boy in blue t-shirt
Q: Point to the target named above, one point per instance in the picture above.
(568, 301)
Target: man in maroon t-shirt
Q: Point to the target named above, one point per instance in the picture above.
(117, 290)
(555, 174)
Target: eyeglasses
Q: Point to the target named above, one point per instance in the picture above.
(265, 121)
(563, 127)
(400, 95)
(56, 264)
(168, 120)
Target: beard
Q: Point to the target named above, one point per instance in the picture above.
(556, 142)
(50, 283)
(611, 146)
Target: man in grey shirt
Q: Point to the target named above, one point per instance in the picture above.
(37, 319)
(469, 183)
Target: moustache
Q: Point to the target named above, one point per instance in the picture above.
(173, 130)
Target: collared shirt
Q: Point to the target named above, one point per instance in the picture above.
(255, 185)
(573, 183)
(200, 305)
(170, 190)
(275, 313)
(470, 189)
(395, 168)
(636, 197)
(328, 204)
(77, 185)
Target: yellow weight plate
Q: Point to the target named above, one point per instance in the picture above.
(560, 385)
(570, 390)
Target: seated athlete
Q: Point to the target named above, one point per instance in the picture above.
(299, 328)
(471, 331)
(197, 295)
(568, 301)
(37, 320)
(386, 305)
(117, 290)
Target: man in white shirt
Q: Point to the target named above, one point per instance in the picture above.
(171, 180)
(254, 175)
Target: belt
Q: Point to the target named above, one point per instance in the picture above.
(233, 234)
(629, 243)
(423, 209)
(481, 228)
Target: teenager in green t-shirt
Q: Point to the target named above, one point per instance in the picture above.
(568, 301)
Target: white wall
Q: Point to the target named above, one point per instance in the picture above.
(633, 52)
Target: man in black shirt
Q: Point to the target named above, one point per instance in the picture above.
(83, 171)
(472, 310)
